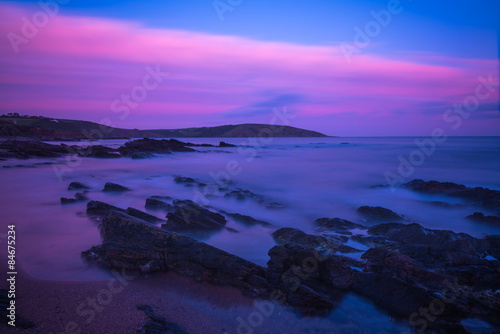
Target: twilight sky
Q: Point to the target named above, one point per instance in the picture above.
(348, 68)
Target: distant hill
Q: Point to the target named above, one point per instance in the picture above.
(14, 125)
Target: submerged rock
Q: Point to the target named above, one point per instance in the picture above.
(153, 203)
(379, 213)
(133, 245)
(157, 324)
(110, 187)
(337, 225)
(481, 218)
(79, 197)
(100, 208)
(163, 146)
(144, 216)
(97, 151)
(224, 144)
(77, 186)
(26, 148)
(247, 220)
(193, 217)
(484, 197)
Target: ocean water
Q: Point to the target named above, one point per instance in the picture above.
(311, 177)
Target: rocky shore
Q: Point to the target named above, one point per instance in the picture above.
(433, 278)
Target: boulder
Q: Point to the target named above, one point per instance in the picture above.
(337, 225)
(144, 216)
(110, 187)
(484, 197)
(379, 213)
(153, 203)
(101, 208)
(97, 151)
(481, 218)
(163, 146)
(194, 217)
(77, 186)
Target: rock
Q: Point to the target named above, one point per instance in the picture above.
(392, 263)
(188, 181)
(481, 218)
(241, 195)
(274, 205)
(77, 186)
(247, 220)
(79, 197)
(194, 217)
(180, 202)
(133, 245)
(26, 148)
(144, 216)
(379, 213)
(484, 197)
(157, 324)
(337, 224)
(97, 151)
(287, 235)
(152, 203)
(113, 187)
(146, 145)
(224, 144)
(101, 208)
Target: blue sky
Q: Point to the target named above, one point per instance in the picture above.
(462, 28)
(263, 55)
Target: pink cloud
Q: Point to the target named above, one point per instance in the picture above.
(76, 66)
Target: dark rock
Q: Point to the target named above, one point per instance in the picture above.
(194, 217)
(484, 197)
(131, 244)
(188, 181)
(153, 203)
(113, 187)
(143, 215)
(79, 197)
(26, 148)
(241, 195)
(493, 245)
(224, 144)
(179, 202)
(337, 224)
(97, 151)
(77, 186)
(146, 145)
(183, 179)
(247, 220)
(379, 213)
(100, 208)
(274, 205)
(481, 218)
(287, 235)
(392, 263)
(157, 324)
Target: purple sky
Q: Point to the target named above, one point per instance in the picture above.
(94, 62)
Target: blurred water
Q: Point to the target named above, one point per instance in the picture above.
(311, 177)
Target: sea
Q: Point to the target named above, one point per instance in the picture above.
(310, 178)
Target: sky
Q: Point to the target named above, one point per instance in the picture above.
(344, 68)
